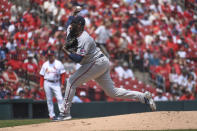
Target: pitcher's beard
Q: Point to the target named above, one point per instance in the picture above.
(74, 32)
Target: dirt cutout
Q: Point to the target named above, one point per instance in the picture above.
(140, 121)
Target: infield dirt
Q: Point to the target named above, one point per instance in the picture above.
(140, 121)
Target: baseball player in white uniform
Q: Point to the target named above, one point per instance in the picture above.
(82, 49)
(52, 80)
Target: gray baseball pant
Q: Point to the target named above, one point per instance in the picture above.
(99, 70)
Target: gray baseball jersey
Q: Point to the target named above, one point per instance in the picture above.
(95, 66)
(86, 48)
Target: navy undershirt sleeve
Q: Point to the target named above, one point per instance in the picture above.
(75, 57)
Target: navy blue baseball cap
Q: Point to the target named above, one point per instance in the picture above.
(50, 52)
(79, 20)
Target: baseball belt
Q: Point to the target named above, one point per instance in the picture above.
(52, 81)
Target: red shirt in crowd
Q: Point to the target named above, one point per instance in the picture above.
(20, 35)
(22, 53)
(2, 40)
(30, 67)
(166, 8)
(162, 70)
(16, 65)
(187, 97)
(172, 46)
(85, 99)
(177, 68)
(10, 76)
(41, 94)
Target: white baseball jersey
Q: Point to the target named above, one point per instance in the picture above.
(52, 71)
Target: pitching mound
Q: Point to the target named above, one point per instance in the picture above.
(139, 121)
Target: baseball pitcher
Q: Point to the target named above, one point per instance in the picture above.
(82, 49)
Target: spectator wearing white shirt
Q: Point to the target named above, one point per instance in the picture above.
(160, 96)
(191, 84)
(194, 29)
(15, 10)
(52, 40)
(124, 41)
(173, 77)
(49, 7)
(11, 29)
(192, 71)
(21, 87)
(11, 45)
(176, 92)
(76, 99)
(124, 72)
(182, 81)
(181, 53)
(152, 17)
(31, 57)
(149, 38)
(88, 21)
(120, 71)
(102, 35)
(128, 73)
(58, 12)
(145, 21)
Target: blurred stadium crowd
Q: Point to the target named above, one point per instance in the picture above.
(158, 37)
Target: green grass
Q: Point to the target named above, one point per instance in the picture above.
(17, 122)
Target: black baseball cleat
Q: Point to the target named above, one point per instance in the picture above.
(149, 101)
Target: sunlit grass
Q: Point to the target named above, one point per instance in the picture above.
(17, 122)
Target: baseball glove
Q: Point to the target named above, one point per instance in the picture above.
(71, 44)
